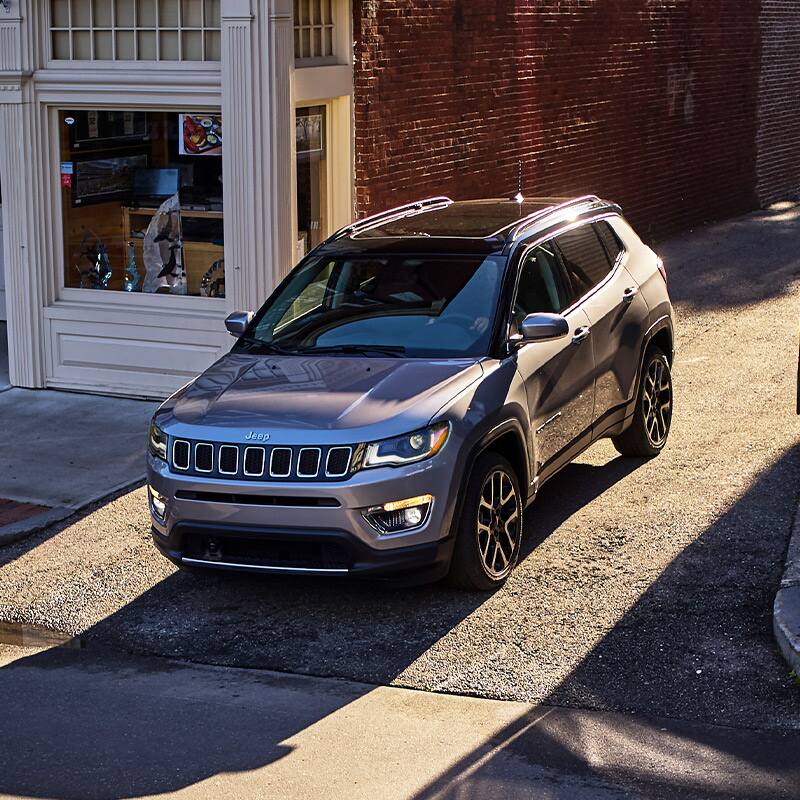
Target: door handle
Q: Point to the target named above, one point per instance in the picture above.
(581, 334)
(629, 294)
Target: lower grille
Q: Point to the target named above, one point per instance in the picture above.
(261, 553)
(259, 499)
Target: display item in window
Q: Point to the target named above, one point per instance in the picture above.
(212, 284)
(132, 276)
(93, 251)
(163, 250)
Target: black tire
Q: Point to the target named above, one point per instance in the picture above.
(648, 433)
(482, 528)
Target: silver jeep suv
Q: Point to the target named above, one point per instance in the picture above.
(402, 396)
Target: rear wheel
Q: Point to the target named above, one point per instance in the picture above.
(647, 434)
(490, 529)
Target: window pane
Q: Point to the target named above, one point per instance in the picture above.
(312, 178)
(192, 13)
(168, 13)
(147, 46)
(61, 44)
(609, 239)
(541, 285)
(82, 45)
(146, 13)
(81, 16)
(584, 258)
(169, 46)
(59, 13)
(103, 49)
(212, 13)
(102, 13)
(213, 48)
(142, 201)
(192, 46)
(125, 46)
(125, 13)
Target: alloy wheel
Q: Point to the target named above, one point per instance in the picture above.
(498, 521)
(657, 402)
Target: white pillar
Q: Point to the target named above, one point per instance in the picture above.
(21, 177)
(257, 64)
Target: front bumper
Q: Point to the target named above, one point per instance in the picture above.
(297, 552)
(305, 528)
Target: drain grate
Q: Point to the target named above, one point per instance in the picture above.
(11, 511)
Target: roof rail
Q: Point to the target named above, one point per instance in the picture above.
(407, 210)
(519, 228)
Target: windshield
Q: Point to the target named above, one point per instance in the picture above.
(402, 306)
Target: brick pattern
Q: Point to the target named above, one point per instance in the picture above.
(648, 102)
(778, 164)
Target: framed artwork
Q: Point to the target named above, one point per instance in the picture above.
(309, 134)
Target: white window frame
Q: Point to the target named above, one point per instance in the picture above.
(52, 63)
(342, 38)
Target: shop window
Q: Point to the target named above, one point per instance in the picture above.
(142, 201)
(135, 30)
(312, 177)
(314, 30)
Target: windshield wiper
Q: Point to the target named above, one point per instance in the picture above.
(395, 351)
(269, 346)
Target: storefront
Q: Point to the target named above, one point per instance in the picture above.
(163, 163)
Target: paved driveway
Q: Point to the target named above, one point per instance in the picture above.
(643, 586)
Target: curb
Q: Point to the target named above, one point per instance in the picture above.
(786, 610)
(19, 530)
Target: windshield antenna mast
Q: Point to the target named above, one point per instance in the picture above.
(519, 198)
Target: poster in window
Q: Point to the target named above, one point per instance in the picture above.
(200, 134)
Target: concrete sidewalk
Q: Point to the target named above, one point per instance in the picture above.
(91, 724)
(62, 451)
(786, 611)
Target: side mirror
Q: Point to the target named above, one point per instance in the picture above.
(237, 322)
(542, 327)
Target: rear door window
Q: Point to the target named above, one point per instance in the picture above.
(585, 258)
(610, 240)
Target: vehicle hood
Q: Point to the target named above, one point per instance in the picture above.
(300, 396)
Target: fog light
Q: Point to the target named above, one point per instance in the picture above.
(158, 504)
(400, 515)
(413, 516)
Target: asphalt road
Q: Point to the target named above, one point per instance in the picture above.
(89, 725)
(644, 587)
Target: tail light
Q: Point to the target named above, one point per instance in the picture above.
(662, 269)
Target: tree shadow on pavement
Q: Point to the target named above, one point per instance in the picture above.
(734, 263)
(712, 611)
(362, 631)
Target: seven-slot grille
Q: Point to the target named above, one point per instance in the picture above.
(255, 462)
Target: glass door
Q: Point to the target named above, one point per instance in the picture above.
(312, 178)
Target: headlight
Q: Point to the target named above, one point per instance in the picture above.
(157, 442)
(407, 449)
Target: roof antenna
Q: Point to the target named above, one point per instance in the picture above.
(518, 197)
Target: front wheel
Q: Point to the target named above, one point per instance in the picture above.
(647, 434)
(490, 529)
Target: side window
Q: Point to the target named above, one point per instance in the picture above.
(542, 285)
(610, 240)
(584, 257)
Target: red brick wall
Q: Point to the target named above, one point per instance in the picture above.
(648, 102)
(778, 162)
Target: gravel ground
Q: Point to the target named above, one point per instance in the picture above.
(643, 587)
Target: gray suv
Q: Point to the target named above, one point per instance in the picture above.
(402, 396)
